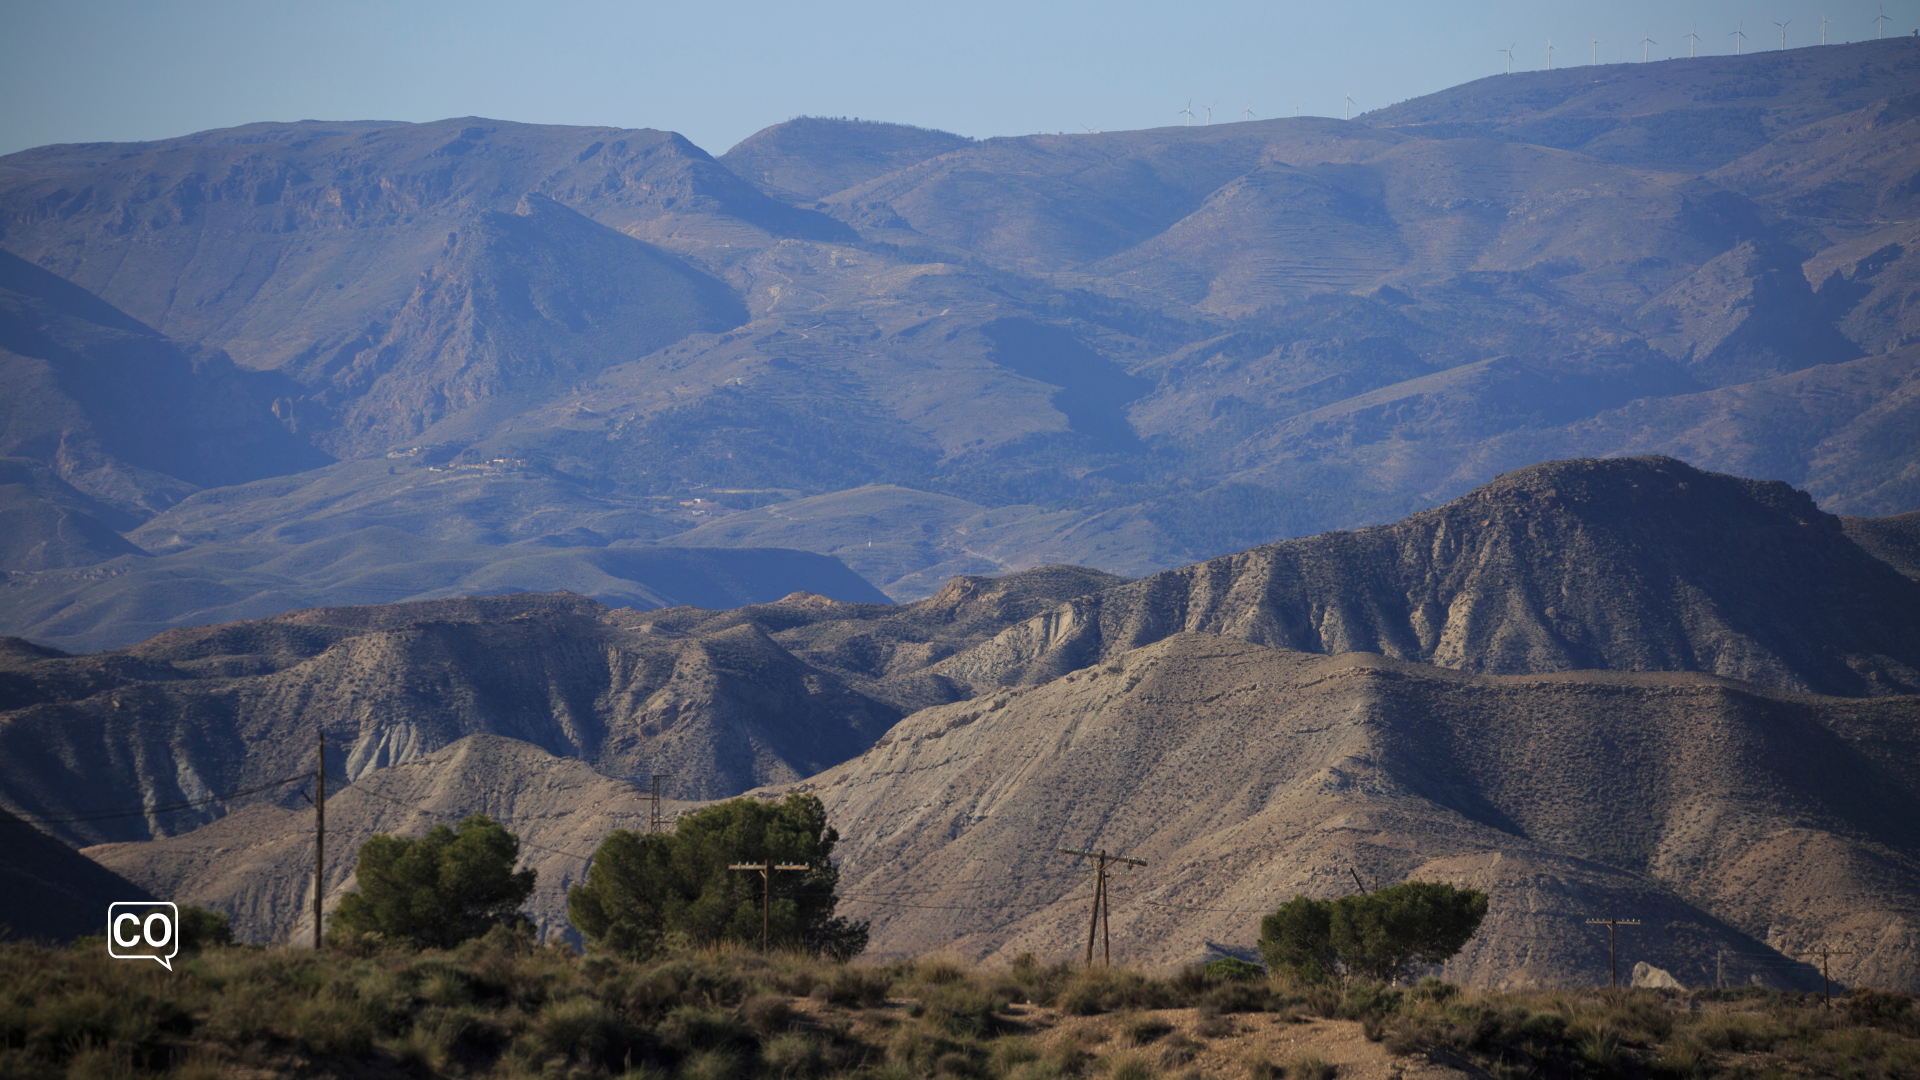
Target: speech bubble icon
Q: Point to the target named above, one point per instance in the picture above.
(143, 930)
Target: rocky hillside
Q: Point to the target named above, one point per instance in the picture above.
(257, 863)
(1642, 564)
(1723, 815)
(724, 700)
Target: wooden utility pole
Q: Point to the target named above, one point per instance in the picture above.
(1357, 881)
(653, 825)
(1826, 984)
(1100, 911)
(766, 870)
(319, 837)
(1613, 946)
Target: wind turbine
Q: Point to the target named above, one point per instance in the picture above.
(1823, 27)
(1595, 59)
(1646, 45)
(1509, 51)
(1880, 22)
(1549, 54)
(1693, 40)
(1091, 130)
(1347, 113)
(1297, 108)
(1739, 36)
(1209, 109)
(1189, 113)
(1248, 115)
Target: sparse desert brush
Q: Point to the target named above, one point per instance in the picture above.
(512, 1008)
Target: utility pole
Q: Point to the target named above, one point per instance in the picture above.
(1100, 910)
(1613, 946)
(1719, 969)
(319, 836)
(1826, 984)
(1357, 881)
(653, 825)
(766, 870)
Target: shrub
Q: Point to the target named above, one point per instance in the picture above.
(1233, 968)
(644, 889)
(766, 1014)
(582, 1029)
(1379, 936)
(440, 890)
(865, 987)
(793, 1056)
(1127, 1066)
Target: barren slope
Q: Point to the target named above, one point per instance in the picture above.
(1722, 814)
(256, 865)
(723, 699)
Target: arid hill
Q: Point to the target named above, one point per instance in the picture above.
(1725, 816)
(724, 700)
(1639, 564)
(257, 863)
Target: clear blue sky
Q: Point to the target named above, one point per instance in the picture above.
(87, 70)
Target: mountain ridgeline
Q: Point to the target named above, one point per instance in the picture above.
(1130, 350)
(1636, 564)
(1624, 565)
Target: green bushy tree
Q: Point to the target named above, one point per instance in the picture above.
(643, 888)
(1379, 936)
(449, 886)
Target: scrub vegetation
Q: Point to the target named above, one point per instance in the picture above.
(504, 1006)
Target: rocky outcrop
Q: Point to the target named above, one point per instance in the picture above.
(1639, 564)
(723, 700)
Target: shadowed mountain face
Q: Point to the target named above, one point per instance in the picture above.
(1641, 564)
(1727, 816)
(50, 892)
(130, 418)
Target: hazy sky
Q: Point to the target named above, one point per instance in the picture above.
(86, 70)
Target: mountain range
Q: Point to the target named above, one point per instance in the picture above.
(1714, 733)
(1516, 486)
(1128, 350)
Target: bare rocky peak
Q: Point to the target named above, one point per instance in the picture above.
(1722, 814)
(1638, 564)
